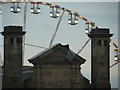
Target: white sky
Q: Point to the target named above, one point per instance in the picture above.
(41, 27)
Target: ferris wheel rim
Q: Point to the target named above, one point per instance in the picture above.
(57, 6)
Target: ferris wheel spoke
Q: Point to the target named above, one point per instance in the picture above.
(83, 46)
(55, 32)
(114, 64)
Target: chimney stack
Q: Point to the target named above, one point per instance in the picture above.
(100, 58)
(13, 52)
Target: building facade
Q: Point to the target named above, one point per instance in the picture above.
(57, 67)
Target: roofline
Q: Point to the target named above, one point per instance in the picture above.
(32, 60)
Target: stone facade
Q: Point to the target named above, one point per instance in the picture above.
(53, 70)
(55, 67)
(13, 57)
(100, 61)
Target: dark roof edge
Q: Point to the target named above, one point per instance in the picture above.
(79, 58)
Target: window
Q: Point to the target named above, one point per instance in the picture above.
(18, 40)
(11, 40)
(99, 42)
(102, 43)
(105, 42)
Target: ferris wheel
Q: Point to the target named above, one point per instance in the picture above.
(55, 13)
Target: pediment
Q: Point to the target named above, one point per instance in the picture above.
(57, 54)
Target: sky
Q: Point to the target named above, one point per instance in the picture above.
(40, 29)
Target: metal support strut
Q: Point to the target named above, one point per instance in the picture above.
(118, 61)
(83, 46)
(58, 24)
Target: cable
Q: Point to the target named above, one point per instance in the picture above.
(83, 46)
(35, 46)
(114, 64)
(31, 45)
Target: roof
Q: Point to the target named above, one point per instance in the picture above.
(26, 72)
(69, 54)
(13, 29)
(43, 51)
